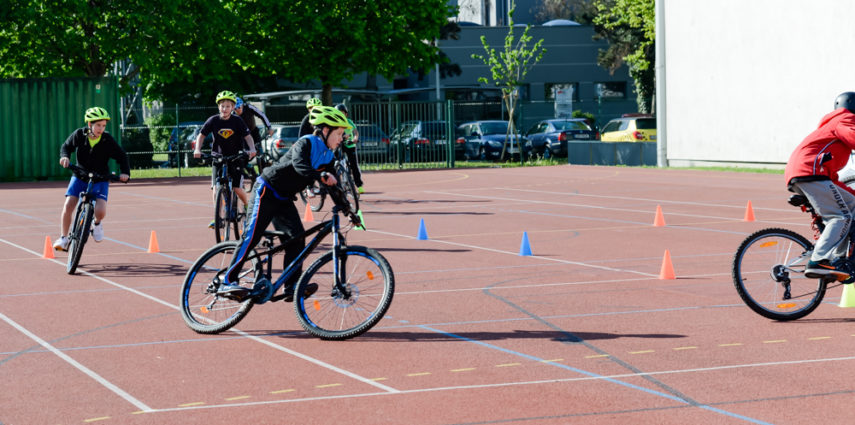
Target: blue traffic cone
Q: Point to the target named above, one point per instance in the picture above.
(525, 248)
(422, 232)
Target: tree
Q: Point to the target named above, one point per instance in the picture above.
(630, 28)
(509, 68)
(181, 49)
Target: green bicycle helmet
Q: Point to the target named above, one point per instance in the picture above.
(329, 116)
(226, 95)
(311, 103)
(96, 114)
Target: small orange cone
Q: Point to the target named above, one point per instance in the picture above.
(749, 213)
(48, 251)
(152, 243)
(307, 216)
(667, 272)
(659, 221)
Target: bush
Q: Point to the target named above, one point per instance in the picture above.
(160, 127)
(137, 144)
(589, 117)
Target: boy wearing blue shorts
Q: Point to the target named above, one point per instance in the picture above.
(94, 148)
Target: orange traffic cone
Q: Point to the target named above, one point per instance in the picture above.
(667, 271)
(659, 221)
(307, 216)
(152, 243)
(48, 251)
(749, 213)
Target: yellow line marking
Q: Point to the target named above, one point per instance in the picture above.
(289, 390)
(685, 348)
(198, 403)
(139, 412)
(465, 369)
(552, 361)
(775, 341)
(418, 374)
(642, 352)
(379, 379)
(733, 344)
(240, 397)
(102, 418)
(328, 385)
(508, 364)
(596, 356)
(817, 338)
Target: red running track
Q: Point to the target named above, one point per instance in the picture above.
(582, 331)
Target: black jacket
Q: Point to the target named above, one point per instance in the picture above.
(95, 159)
(300, 166)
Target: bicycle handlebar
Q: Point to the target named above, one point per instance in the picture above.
(340, 200)
(220, 159)
(84, 174)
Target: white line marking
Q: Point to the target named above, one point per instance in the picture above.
(242, 333)
(511, 384)
(98, 378)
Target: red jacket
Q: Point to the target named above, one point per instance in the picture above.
(825, 151)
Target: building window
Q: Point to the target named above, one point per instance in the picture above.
(611, 89)
(552, 88)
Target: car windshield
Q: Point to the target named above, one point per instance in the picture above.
(434, 128)
(372, 132)
(570, 125)
(494, 127)
(289, 132)
(645, 124)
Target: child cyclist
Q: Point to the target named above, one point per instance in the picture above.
(94, 148)
(812, 172)
(309, 159)
(231, 136)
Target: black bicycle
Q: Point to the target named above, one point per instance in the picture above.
(315, 194)
(355, 283)
(229, 213)
(769, 267)
(84, 215)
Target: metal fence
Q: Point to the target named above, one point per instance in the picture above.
(393, 134)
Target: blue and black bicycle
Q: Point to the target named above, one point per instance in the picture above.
(355, 284)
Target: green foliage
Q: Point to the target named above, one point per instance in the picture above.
(509, 67)
(587, 115)
(186, 50)
(160, 127)
(630, 28)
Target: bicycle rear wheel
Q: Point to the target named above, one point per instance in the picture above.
(226, 216)
(314, 196)
(338, 312)
(768, 272)
(79, 235)
(202, 309)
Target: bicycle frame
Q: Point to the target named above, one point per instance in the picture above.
(323, 230)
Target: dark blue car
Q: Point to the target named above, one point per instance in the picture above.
(549, 138)
(485, 140)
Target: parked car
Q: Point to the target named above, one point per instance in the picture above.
(420, 141)
(187, 140)
(549, 138)
(630, 128)
(485, 139)
(281, 140)
(373, 145)
(180, 133)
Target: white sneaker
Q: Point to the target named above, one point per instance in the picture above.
(98, 232)
(61, 244)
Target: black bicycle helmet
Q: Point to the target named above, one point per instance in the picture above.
(845, 100)
(342, 107)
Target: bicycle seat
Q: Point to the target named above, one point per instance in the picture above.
(797, 200)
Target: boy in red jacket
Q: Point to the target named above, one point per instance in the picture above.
(812, 172)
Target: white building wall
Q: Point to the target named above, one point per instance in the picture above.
(747, 80)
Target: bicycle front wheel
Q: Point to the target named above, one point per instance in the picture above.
(226, 221)
(79, 235)
(352, 307)
(768, 271)
(314, 196)
(202, 309)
